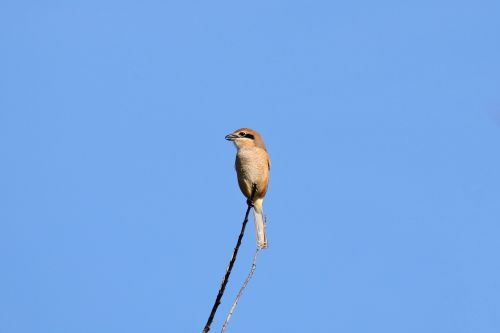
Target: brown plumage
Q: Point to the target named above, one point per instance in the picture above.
(252, 167)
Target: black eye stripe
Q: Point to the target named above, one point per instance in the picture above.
(246, 135)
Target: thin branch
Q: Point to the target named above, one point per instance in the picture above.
(242, 289)
(231, 263)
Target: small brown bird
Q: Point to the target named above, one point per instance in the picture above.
(252, 167)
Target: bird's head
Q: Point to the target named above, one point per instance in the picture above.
(246, 138)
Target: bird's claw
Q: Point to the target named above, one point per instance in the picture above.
(250, 203)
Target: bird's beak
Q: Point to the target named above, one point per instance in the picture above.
(231, 137)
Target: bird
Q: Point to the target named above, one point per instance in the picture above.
(252, 168)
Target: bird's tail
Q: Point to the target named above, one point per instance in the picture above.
(260, 224)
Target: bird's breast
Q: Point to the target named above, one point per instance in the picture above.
(252, 166)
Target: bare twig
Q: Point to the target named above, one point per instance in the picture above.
(242, 289)
(231, 263)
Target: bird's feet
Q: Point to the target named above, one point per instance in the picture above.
(250, 203)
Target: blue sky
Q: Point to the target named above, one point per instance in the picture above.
(119, 202)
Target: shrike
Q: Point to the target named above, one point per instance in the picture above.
(252, 167)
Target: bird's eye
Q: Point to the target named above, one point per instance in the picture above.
(242, 134)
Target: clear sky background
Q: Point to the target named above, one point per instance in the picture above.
(119, 206)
